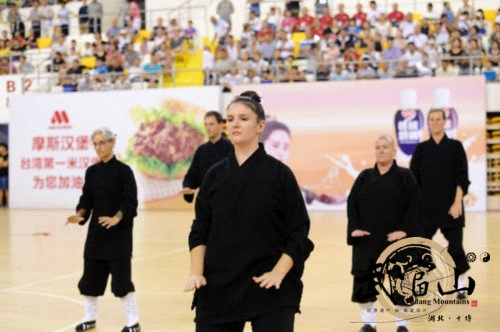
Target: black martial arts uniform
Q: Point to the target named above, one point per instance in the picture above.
(379, 204)
(248, 216)
(439, 169)
(109, 187)
(205, 157)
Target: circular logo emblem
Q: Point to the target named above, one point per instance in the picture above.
(413, 277)
(471, 257)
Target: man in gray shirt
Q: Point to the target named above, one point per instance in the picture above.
(392, 53)
(267, 47)
(95, 15)
(224, 9)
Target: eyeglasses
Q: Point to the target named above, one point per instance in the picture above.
(101, 143)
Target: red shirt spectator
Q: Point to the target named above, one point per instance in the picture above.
(326, 20)
(351, 55)
(395, 17)
(265, 30)
(342, 17)
(305, 20)
(360, 16)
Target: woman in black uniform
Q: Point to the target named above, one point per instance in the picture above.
(249, 240)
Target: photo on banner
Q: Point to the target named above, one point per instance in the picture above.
(327, 130)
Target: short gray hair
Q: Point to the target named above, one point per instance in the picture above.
(388, 138)
(105, 132)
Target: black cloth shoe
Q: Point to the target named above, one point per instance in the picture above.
(368, 328)
(461, 296)
(134, 328)
(402, 329)
(85, 326)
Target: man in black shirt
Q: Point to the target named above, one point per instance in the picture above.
(4, 173)
(440, 166)
(206, 155)
(110, 195)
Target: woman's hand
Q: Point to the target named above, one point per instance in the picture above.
(195, 282)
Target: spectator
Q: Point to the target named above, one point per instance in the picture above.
(481, 23)
(60, 47)
(86, 84)
(383, 26)
(31, 40)
(221, 62)
(159, 26)
(456, 55)
(57, 62)
(448, 12)
(274, 18)
(113, 53)
(447, 69)
(114, 30)
(372, 56)
(63, 15)
(16, 49)
(418, 38)
(233, 49)
(115, 68)
(6, 67)
(101, 83)
(83, 18)
(295, 75)
(208, 65)
(255, 6)
(122, 83)
(5, 36)
(232, 78)
(430, 14)
(221, 29)
(251, 77)
(351, 58)
(403, 69)
(353, 29)
(177, 42)
(4, 174)
(267, 46)
(494, 54)
(413, 56)
(265, 30)
(289, 22)
(225, 9)
(464, 24)
(130, 55)
(360, 17)
(95, 15)
(408, 25)
(425, 27)
(465, 8)
(86, 51)
(244, 63)
(344, 39)
(69, 83)
(326, 20)
(374, 12)
(433, 53)
(477, 52)
(47, 14)
(24, 66)
(495, 36)
(341, 17)
(284, 45)
(365, 71)
(267, 77)
(489, 73)
(396, 16)
(134, 12)
(293, 6)
(124, 39)
(36, 20)
(100, 67)
(190, 32)
(15, 20)
(100, 52)
(152, 71)
(305, 20)
(75, 69)
(260, 64)
(255, 23)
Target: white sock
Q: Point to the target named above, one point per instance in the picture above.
(368, 314)
(461, 281)
(130, 306)
(91, 305)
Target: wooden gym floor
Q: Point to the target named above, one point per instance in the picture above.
(41, 263)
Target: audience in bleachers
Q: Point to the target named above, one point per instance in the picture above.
(289, 44)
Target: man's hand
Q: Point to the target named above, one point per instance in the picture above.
(456, 210)
(188, 191)
(359, 233)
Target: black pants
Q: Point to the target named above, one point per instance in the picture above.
(94, 25)
(96, 273)
(363, 289)
(65, 29)
(454, 236)
(37, 28)
(279, 320)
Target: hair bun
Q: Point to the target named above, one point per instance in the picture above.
(251, 94)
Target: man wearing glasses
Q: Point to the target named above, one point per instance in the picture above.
(110, 196)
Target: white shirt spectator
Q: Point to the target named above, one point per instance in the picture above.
(431, 16)
(414, 59)
(63, 15)
(221, 28)
(233, 78)
(433, 54)
(372, 15)
(419, 40)
(232, 51)
(407, 27)
(385, 29)
(274, 19)
(285, 46)
(255, 24)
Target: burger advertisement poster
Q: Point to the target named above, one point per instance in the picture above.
(158, 132)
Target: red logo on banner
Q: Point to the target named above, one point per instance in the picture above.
(473, 303)
(60, 120)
